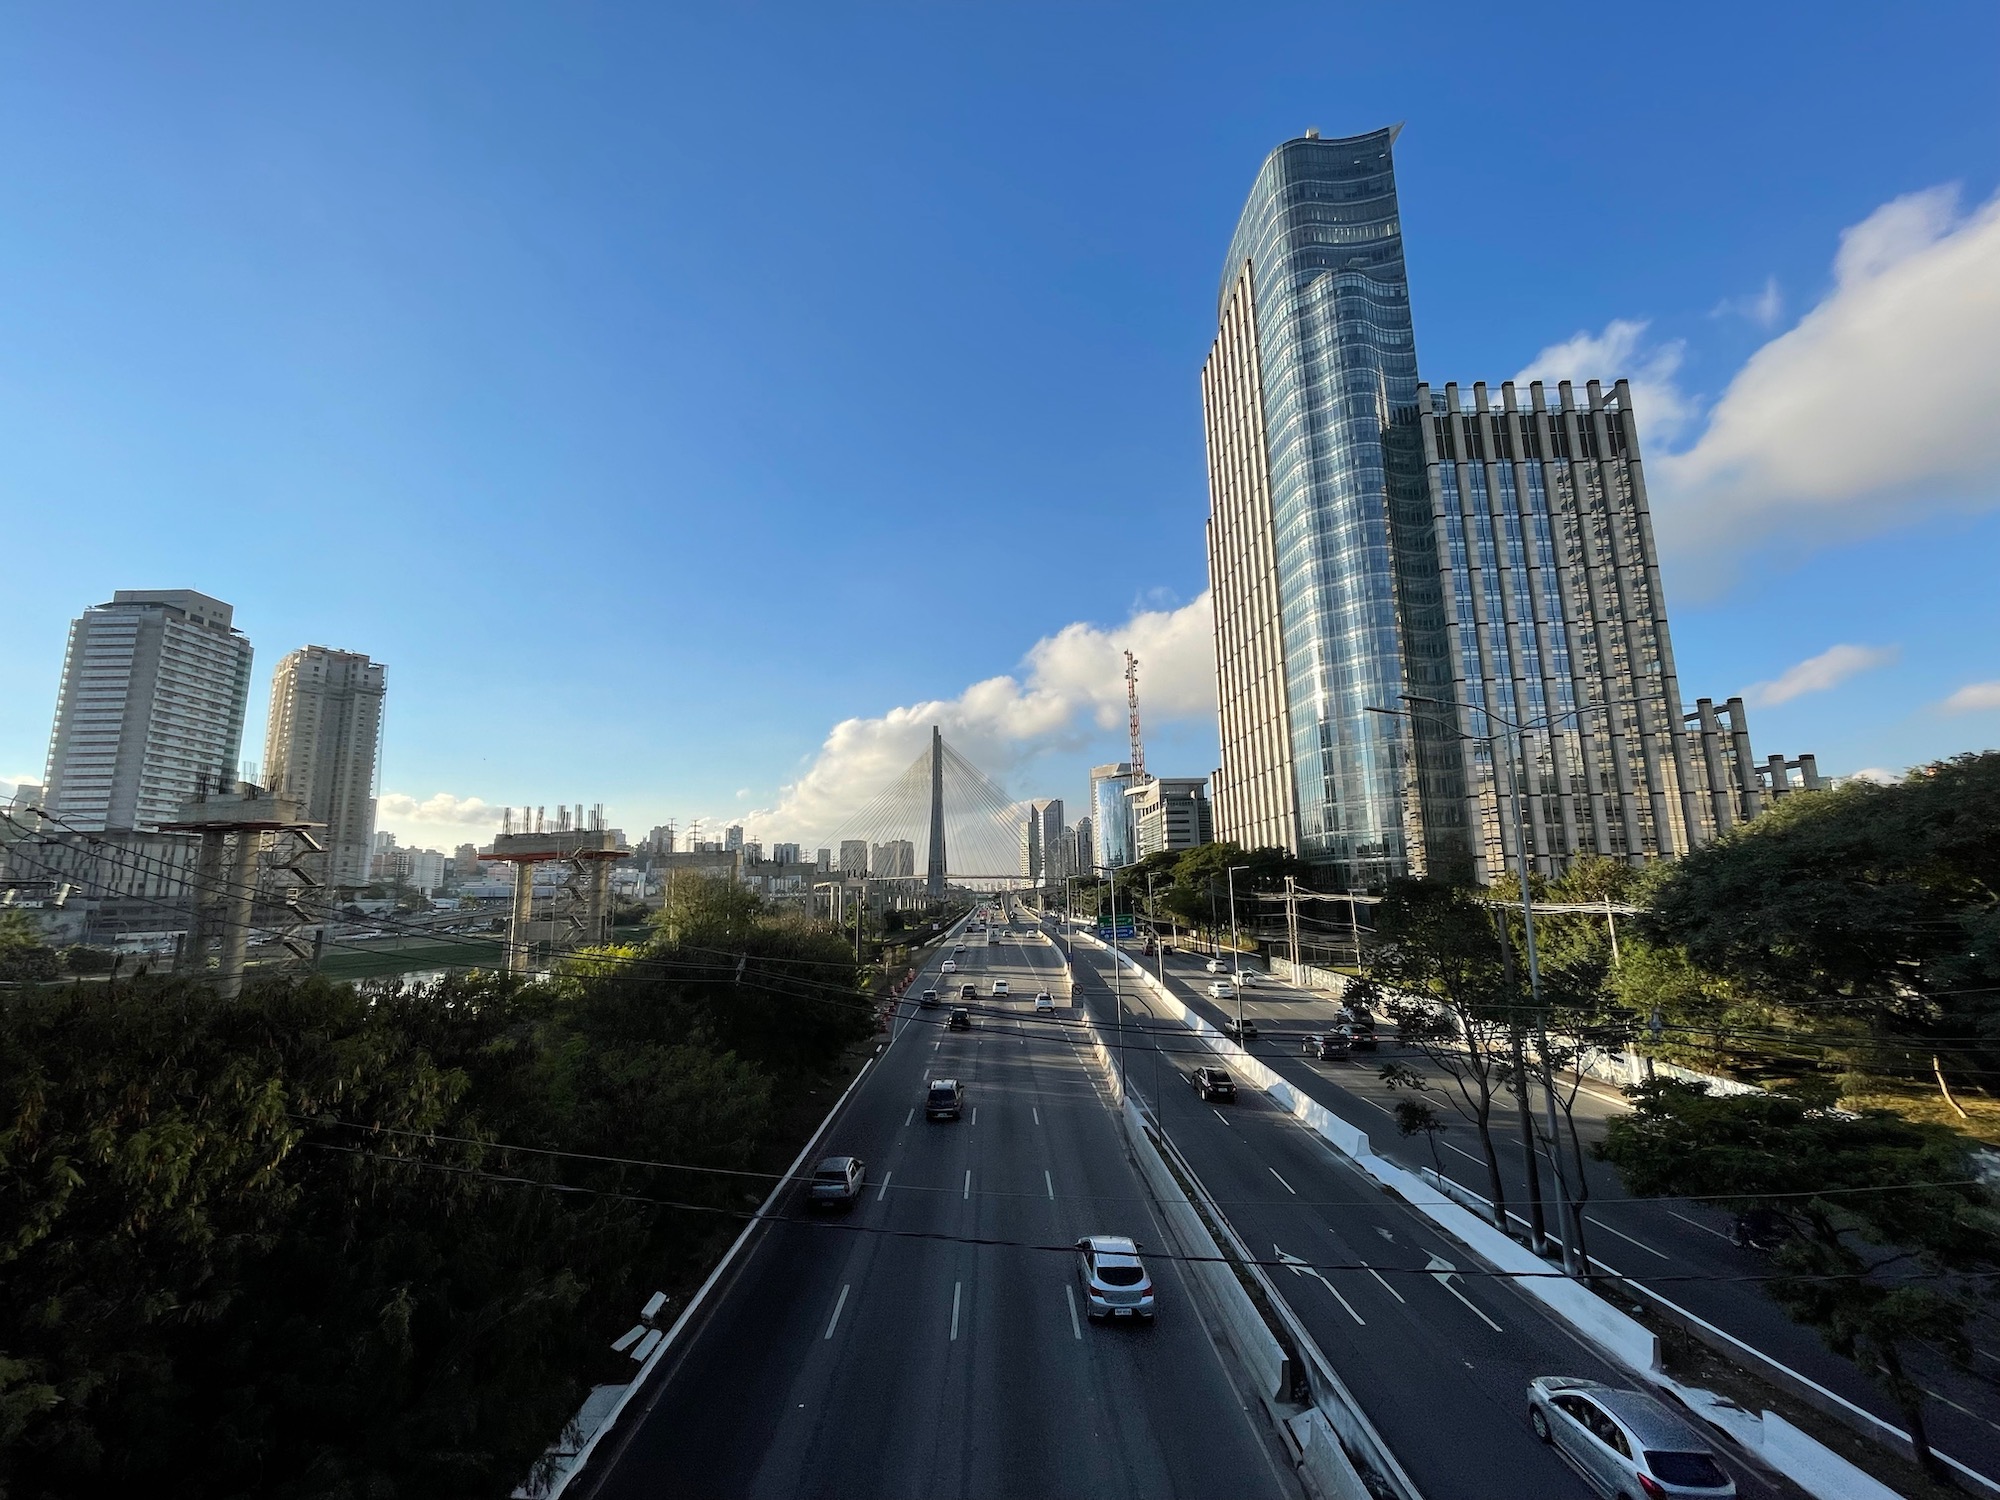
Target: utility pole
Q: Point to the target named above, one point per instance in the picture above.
(1292, 921)
(1236, 948)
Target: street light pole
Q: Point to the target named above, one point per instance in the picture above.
(1236, 949)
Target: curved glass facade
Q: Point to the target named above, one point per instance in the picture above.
(1359, 599)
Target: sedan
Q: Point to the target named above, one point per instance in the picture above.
(1213, 1083)
(1045, 1004)
(1221, 989)
(1114, 1280)
(1000, 987)
(837, 1181)
(949, 967)
(1624, 1442)
(1327, 1046)
(1216, 966)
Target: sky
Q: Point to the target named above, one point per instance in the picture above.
(693, 404)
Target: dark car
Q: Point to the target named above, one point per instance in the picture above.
(1328, 1046)
(944, 1099)
(1213, 1083)
(929, 1000)
(1240, 1031)
(968, 991)
(961, 1019)
(1360, 1026)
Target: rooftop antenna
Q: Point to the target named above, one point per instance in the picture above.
(1132, 704)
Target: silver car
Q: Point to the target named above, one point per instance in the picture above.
(1630, 1446)
(1114, 1280)
(837, 1181)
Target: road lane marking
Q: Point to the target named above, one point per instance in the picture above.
(1307, 1268)
(1038, 1114)
(968, 1184)
(884, 1187)
(975, 1114)
(1442, 1271)
(830, 1322)
(956, 1288)
(911, 1115)
(1699, 1225)
(1385, 1285)
(1600, 1224)
(1466, 1154)
(1217, 1113)
(1282, 1183)
(1051, 1182)
(1075, 1328)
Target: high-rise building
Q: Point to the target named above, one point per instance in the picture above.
(1086, 850)
(1042, 861)
(824, 860)
(661, 839)
(1170, 813)
(150, 710)
(785, 854)
(1111, 816)
(854, 856)
(1388, 565)
(465, 862)
(895, 860)
(732, 838)
(321, 745)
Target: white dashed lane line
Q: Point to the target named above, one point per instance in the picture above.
(911, 1115)
(884, 1187)
(1600, 1224)
(956, 1288)
(1282, 1183)
(968, 1184)
(1051, 1183)
(1699, 1225)
(837, 1306)
(1074, 1327)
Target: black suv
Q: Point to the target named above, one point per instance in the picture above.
(961, 1019)
(1213, 1083)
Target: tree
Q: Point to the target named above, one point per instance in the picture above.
(1892, 1229)
(1876, 904)
(1415, 1117)
(1453, 996)
(24, 957)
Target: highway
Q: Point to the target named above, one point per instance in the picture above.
(1637, 1237)
(841, 1360)
(1439, 1362)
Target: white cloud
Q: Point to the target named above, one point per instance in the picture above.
(1816, 674)
(1621, 351)
(1880, 775)
(1071, 687)
(1974, 697)
(1762, 308)
(440, 816)
(1874, 411)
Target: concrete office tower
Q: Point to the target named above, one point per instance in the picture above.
(1324, 575)
(1171, 813)
(1086, 850)
(854, 856)
(1111, 816)
(1042, 861)
(321, 746)
(823, 860)
(785, 854)
(150, 710)
(732, 838)
(1556, 619)
(894, 860)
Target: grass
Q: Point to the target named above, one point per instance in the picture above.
(1925, 1105)
(406, 955)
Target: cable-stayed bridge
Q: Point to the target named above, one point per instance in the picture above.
(961, 827)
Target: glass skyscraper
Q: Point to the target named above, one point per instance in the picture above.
(1321, 554)
(1424, 604)
(1111, 816)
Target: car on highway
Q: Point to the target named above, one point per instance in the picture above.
(1361, 1024)
(1241, 1031)
(1327, 1046)
(1216, 966)
(1252, 976)
(837, 1181)
(1045, 1004)
(961, 1019)
(1000, 987)
(928, 1000)
(1114, 1279)
(1625, 1443)
(944, 1099)
(1221, 989)
(1212, 1083)
(958, 947)
(949, 967)
(968, 992)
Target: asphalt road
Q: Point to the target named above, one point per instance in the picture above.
(841, 1360)
(1645, 1239)
(1440, 1364)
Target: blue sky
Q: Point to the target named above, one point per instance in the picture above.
(655, 389)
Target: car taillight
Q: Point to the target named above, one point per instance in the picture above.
(1653, 1488)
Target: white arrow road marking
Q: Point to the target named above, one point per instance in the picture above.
(1444, 1270)
(1307, 1268)
(1385, 1234)
(1385, 1285)
(836, 1312)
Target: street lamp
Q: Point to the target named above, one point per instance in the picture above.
(1236, 949)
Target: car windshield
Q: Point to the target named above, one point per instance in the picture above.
(831, 1174)
(1120, 1275)
(1694, 1470)
(941, 1096)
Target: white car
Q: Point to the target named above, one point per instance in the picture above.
(1252, 976)
(1115, 1283)
(1045, 1004)
(1625, 1442)
(999, 987)
(1216, 966)
(949, 967)
(1221, 989)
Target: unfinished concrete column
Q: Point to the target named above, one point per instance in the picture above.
(238, 906)
(524, 911)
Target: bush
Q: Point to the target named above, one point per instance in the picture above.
(79, 959)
